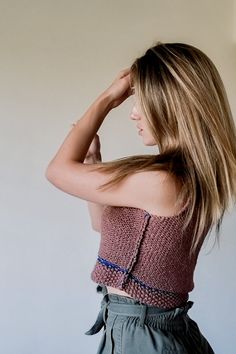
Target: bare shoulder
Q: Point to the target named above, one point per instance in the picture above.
(154, 191)
(160, 193)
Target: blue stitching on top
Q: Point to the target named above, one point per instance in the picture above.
(111, 265)
(147, 213)
(136, 280)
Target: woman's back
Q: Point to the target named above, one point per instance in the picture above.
(165, 204)
(154, 224)
(146, 254)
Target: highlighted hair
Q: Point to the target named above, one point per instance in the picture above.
(181, 94)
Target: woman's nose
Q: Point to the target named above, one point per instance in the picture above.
(134, 114)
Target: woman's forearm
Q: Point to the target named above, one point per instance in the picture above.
(77, 142)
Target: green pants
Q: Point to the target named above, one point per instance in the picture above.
(131, 327)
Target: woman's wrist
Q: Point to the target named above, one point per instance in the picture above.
(103, 102)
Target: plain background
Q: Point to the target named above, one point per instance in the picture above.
(56, 58)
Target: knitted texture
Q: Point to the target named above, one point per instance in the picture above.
(146, 255)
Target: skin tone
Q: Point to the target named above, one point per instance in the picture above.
(141, 124)
(78, 141)
(94, 150)
(135, 115)
(67, 168)
(121, 89)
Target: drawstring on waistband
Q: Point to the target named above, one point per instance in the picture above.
(142, 310)
(102, 315)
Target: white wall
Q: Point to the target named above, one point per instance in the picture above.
(56, 57)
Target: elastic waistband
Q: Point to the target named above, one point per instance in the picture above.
(172, 319)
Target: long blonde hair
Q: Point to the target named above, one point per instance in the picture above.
(181, 94)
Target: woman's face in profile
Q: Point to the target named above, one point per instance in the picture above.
(141, 123)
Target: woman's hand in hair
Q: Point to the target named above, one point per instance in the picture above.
(120, 89)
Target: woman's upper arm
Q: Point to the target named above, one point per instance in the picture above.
(79, 180)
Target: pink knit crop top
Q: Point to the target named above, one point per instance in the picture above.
(146, 255)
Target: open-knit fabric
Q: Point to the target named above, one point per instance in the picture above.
(146, 255)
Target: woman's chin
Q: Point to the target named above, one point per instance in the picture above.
(149, 142)
(146, 141)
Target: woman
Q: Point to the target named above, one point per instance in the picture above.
(154, 211)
